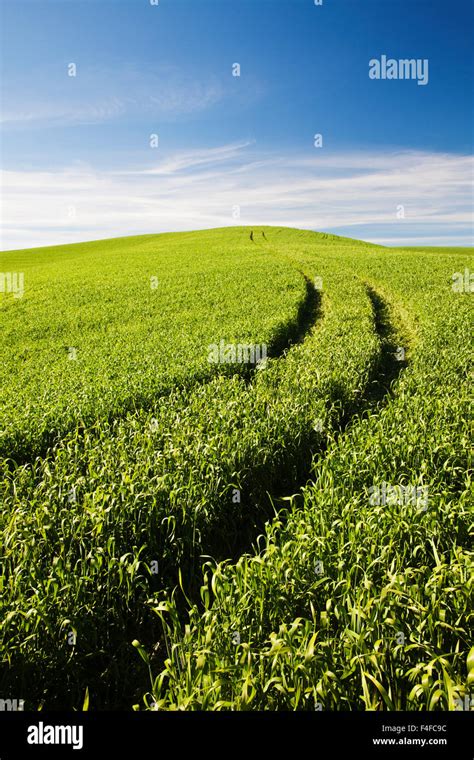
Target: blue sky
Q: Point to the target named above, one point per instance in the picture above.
(395, 162)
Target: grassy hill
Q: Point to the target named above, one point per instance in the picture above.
(285, 534)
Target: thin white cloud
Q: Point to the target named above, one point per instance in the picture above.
(99, 95)
(190, 159)
(359, 194)
(40, 114)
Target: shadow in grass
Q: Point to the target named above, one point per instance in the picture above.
(294, 470)
(392, 356)
(296, 330)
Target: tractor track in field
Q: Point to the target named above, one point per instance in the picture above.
(312, 451)
(393, 333)
(308, 316)
(378, 390)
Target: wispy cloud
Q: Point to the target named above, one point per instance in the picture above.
(42, 114)
(407, 196)
(182, 160)
(99, 95)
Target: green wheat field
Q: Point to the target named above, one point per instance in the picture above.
(185, 534)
